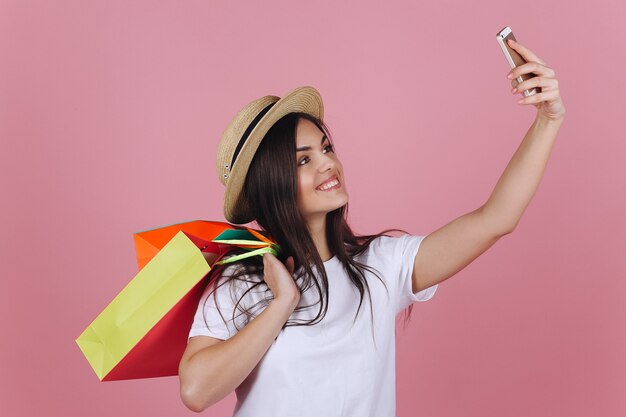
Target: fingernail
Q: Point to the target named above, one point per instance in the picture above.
(514, 90)
(510, 76)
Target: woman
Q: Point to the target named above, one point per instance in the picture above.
(294, 335)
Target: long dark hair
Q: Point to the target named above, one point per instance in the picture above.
(270, 187)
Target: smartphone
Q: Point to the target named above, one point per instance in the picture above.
(514, 59)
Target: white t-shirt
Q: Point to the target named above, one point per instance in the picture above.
(333, 368)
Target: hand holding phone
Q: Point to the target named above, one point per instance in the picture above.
(514, 59)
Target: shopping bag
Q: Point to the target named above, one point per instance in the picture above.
(143, 331)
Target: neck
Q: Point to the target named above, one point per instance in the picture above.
(317, 229)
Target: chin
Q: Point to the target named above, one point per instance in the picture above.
(339, 204)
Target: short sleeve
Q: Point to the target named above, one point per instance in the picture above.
(214, 322)
(406, 248)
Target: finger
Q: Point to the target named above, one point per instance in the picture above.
(532, 67)
(526, 53)
(289, 263)
(539, 97)
(544, 83)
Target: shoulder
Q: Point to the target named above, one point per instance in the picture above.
(387, 243)
(231, 284)
(233, 277)
(392, 250)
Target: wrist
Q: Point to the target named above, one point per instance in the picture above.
(287, 305)
(547, 125)
(542, 119)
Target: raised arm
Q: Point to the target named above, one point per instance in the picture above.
(451, 248)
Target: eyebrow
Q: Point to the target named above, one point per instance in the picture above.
(308, 148)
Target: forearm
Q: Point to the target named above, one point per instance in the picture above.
(214, 372)
(520, 180)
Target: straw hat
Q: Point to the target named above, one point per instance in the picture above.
(242, 137)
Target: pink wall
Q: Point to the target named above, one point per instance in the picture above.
(110, 113)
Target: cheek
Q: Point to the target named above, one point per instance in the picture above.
(337, 161)
(305, 186)
(339, 166)
(302, 185)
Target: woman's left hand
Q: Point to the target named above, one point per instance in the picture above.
(548, 102)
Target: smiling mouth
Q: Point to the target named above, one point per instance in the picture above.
(330, 185)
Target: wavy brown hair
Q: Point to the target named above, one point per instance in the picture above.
(270, 188)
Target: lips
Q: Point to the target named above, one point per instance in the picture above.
(334, 177)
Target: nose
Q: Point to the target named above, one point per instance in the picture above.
(326, 163)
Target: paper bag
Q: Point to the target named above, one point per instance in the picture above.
(143, 332)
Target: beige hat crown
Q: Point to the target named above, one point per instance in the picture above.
(242, 137)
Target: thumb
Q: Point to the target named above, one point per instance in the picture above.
(290, 264)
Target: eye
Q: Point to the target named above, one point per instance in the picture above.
(326, 149)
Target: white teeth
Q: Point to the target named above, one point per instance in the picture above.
(329, 185)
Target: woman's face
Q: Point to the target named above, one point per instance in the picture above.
(321, 186)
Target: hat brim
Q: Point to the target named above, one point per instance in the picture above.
(302, 99)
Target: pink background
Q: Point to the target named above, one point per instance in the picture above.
(110, 113)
